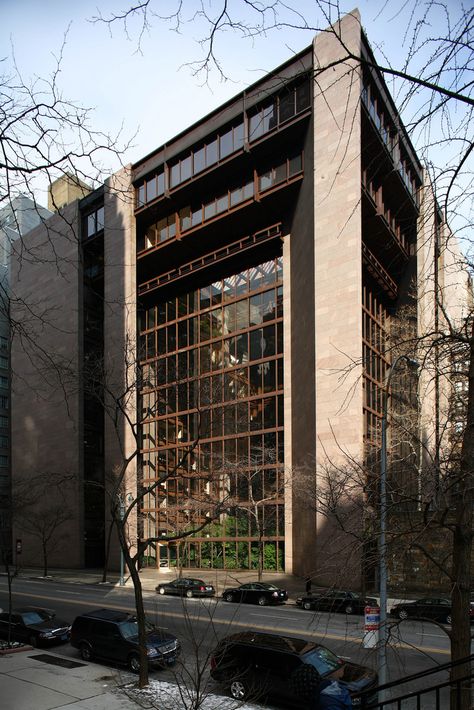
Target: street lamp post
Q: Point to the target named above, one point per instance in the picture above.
(382, 649)
(122, 564)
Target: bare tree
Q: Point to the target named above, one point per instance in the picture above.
(41, 511)
(254, 489)
(432, 73)
(11, 569)
(44, 135)
(117, 392)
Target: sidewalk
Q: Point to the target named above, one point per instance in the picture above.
(28, 681)
(45, 680)
(152, 577)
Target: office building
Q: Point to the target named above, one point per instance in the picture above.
(250, 267)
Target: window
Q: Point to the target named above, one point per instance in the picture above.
(231, 141)
(291, 101)
(186, 168)
(303, 96)
(94, 222)
(3, 381)
(3, 343)
(295, 165)
(175, 173)
(210, 210)
(226, 144)
(199, 160)
(286, 106)
(185, 218)
(255, 126)
(151, 189)
(263, 119)
(159, 232)
(211, 153)
(280, 173)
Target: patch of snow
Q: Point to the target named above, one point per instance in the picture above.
(167, 696)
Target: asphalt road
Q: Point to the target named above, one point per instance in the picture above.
(200, 623)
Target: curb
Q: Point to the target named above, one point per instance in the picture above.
(18, 649)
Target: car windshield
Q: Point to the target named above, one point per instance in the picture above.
(324, 660)
(35, 617)
(129, 629)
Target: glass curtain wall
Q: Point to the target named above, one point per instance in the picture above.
(212, 373)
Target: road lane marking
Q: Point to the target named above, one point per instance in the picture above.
(440, 636)
(245, 625)
(273, 616)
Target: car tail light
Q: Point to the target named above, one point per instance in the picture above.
(202, 589)
(275, 594)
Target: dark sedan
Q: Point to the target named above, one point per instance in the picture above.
(256, 593)
(186, 587)
(435, 609)
(337, 600)
(34, 626)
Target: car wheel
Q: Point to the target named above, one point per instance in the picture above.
(238, 689)
(134, 663)
(307, 606)
(449, 619)
(85, 651)
(33, 641)
(161, 590)
(229, 597)
(189, 594)
(403, 614)
(349, 609)
(262, 601)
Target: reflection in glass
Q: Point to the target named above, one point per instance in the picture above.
(236, 424)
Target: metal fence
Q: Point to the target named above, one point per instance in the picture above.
(434, 693)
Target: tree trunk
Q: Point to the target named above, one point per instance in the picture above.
(140, 612)
(107, 553)
(10, 603)
(45, 560)
(260, 545)
(462, 547)
(139, 607)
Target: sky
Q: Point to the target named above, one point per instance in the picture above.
(151, 95)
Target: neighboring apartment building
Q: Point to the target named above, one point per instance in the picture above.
(251, 266)
(17, 218)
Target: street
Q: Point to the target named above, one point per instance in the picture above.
(199, 624)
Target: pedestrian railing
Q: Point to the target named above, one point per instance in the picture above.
(422, 691)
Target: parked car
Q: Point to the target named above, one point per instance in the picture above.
(34, 626)
(337, 600)
(186, 587)
(427, 608)
(257, 665)
(112, 635)
(260, 593)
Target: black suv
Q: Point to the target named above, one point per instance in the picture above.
(113, 636)
(256, 665)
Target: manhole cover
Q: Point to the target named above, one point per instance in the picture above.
(56, 661)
